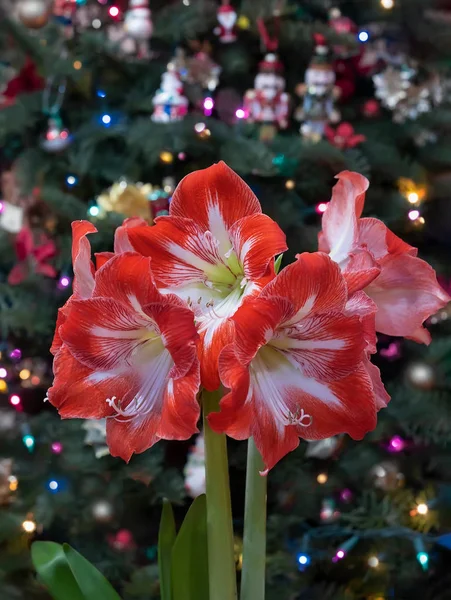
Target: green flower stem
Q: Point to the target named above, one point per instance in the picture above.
(221, 561)
(254, 538)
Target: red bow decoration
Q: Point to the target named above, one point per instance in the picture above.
(26, 81)
(31, 257)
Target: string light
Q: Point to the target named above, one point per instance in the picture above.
(13, 483)
(53, 485)
(343, 550)
(28, 441)
(422, 509)
(35, 380)
(14, 400)
(290, 184)
(57, 447)
(423, 558)
(113, 11)
(346, 495)
(166, 157)
(15, 354)
(3, 373)
(106, 119)
(181, 155)
(97, 23)
(321, 207)
(322, 478)
(240, 114)
(413, 192)
(64, 281)
(3, 386)
(2, 206)
(413, 197)
(413, 214)
(387, 4)
(71, 180)
(373, 562)
(303, 560)
(94, 211)
(208, 106)
(25, 374)
(29, 526)
(396, 444)
(364, 36)
(199, 127)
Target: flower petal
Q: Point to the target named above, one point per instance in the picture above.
(340, 221)
(121, 240)
(313, 284)
(360, 271)
(381, 395)
(256, 240)
(215, 198)
(406, 293)
(81, 259)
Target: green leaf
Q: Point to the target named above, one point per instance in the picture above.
(68, 575)
(166, 539)
(277, 263)
(190, 555)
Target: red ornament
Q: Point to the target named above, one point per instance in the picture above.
(122, 541)
(226, 30)
(371, 108)
(26, 81)
(344, 136)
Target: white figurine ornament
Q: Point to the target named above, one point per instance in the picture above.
(226, 30)
(169, 102)
(138, 28)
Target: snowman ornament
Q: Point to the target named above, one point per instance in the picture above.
(138, 28)
(226, 30)
(169, 102)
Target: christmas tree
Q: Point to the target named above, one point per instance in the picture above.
(104, 108)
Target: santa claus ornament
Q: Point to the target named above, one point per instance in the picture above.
(268, 103)
(226, 30)
(34, 13)
(138, 27)
(319, 93)
(169, 102)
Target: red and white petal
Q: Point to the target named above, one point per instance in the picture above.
(325, 346)
(60, 320)
(134, 436)
(396, 245)
(313, 284)
(360, 271)
(104, 334)
(360, 304)
(81, 259)
(256, 240)
(215, 198)
(181, 410)
(81, 393)
(128, 279)
(406, 294)
(340, 221)
(121, 240)
(175, 325)
(381, 395)
(215, 334)
(181, 252)
(102, 258)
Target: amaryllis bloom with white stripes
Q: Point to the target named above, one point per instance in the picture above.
(127, 353)
(216, 250)
(295, 368)
(403, 287)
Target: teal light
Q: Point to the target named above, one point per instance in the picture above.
(423, 559)
(28, 440)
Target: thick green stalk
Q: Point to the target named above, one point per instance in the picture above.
(221, 562)
(254, 538)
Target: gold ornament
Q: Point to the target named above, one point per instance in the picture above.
(387, 476)
(421, 375)
(243, 22)
(130, 200)
(34, 13)
(414, 193)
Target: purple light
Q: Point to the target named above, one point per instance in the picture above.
(64, 282)
(240, 114)
(393, 351)
(346, 495)
(413, 215)
(397, 444)
(3, 373)
(57, 447)
(15, 400)
(2, 206)
(15, 354)
(209, 103)
(339, 555)
(181, 156)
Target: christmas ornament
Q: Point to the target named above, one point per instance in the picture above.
(102, 511)
(6, 480)
(318, 92)
(31, 256)
(344, 136)
(421, 375)
(343, 26)
(169, 102)
(138, 27)
(122, 541)
(11, 217)
(371, 109)
(194, 470)
(34, 13)
(323, 448)
(160, 198)
(27, 80)
(202, 70)
(130, 200)
(407, 94)
(267, 103)
(96, 436)
(64, 12)
(387, 476)
(328, 513)
(227, 17)
(57, 138)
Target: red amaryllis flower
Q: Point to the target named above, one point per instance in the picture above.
(128, 353)
(372, 258)
(344, 137)
(215, 249)
(31, 257)
(295, 368)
